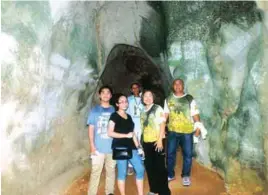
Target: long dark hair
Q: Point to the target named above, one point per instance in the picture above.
(116, 99)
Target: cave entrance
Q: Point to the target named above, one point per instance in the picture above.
(127, 64)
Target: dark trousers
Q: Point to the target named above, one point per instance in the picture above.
(156, 169)
(186, 143)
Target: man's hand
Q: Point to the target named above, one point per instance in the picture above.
(197, 132)
(93, 150)
(92, 147)
(158, 145)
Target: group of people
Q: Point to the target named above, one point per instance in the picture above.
(132, 136)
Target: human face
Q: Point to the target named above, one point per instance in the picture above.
(135, 89)
(105, 95)
(178, 87)
(148, 98)
(122, 103)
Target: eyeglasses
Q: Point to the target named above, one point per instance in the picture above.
(123, 102)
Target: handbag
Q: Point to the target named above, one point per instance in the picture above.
(122, 153)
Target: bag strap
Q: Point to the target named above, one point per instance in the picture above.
(190, 99)
(145, 123)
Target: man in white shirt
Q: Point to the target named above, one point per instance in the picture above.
(182, 111)
(135, 107)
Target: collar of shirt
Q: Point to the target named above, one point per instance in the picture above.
(146, 110)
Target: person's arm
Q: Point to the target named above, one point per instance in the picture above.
(166, 110)
(162, 123)
(166, 116)
(196, 116)
(159, 142)
(138, 146)
(162, 130)
(136, 141)
(91, 139)
(91, 121)
(128, 111)
(114, 134)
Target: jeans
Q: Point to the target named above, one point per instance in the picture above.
(186, 143)
(137, 164)
(156, 169)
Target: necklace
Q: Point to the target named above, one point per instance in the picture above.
(136, 107)
(136, 101)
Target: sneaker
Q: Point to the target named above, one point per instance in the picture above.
(171, 178)
(186, 181)
(130, 171)
(150, 193)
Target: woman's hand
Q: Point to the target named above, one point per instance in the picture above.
(141, 153)
(158, 145)
(129, 135)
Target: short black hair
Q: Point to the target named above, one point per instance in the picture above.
(135, 83)
(105, 87)
(173, 82)
(178, 79)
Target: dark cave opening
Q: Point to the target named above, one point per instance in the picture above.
(127, 64)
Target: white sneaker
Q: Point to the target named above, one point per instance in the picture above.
(171, 178)
(186, 181)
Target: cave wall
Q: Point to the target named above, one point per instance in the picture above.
(218, 49)
(56, 51)
(45, 72)
(263, 90)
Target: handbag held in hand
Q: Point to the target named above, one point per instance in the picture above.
(122, 153)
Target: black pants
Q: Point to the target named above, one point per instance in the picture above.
(156, 169)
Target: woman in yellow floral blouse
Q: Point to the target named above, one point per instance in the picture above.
(153, 132)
